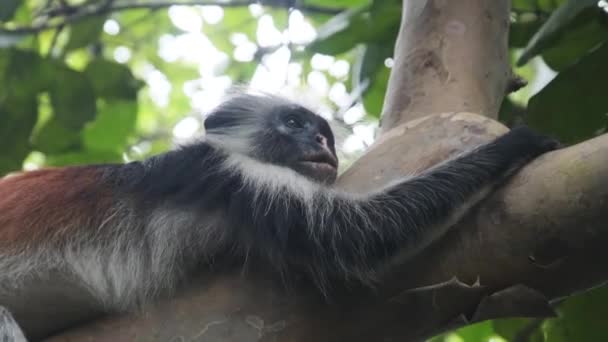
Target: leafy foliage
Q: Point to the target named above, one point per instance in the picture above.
(8, 8)
(84, 32)
(83, 83)
(554, 111)
(559, 22)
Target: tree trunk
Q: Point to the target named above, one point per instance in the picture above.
(537, 239)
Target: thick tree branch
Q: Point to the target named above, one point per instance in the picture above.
(541, 237)
(450, 56)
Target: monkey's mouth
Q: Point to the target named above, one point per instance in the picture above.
(322, 167)
(320, 160)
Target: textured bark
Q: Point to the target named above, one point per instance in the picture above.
(450, 56)
(536, 239)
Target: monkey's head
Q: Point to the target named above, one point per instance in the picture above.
(274, 130)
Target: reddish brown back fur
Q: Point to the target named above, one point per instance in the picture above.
(40, 205)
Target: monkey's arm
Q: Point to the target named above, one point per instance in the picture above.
(331, 234)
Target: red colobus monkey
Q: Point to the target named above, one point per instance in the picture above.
(95, 239)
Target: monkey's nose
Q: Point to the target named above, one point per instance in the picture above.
(321, 140)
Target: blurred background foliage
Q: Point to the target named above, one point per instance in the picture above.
(90, 81)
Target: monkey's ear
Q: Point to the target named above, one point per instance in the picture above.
(9, 329)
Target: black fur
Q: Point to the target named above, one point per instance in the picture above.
(254, 189)
(332, 235)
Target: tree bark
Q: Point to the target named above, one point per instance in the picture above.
(537, 239)
(448, 57)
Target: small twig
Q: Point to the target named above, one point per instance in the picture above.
(319, 9)
(515, 83)
(74, 14)
(64, 9)
(88, 11)
(42, 9)
(54, 40)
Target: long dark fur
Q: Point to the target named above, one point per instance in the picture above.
(169, 216)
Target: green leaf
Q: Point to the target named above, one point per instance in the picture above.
(280, 17)
(581, 318)
(521, 32)
(524, 5)
(559, 21)
(72, 97)
(112, 80)
(479, 332)
(548, 5)
(576, 42)
(54, 137)
(386, 18)
(23, 15)
(23, 72)
(319, 19)
(373, 99)
(112, 128)
(85, 32)
(378, 23)
(84, 157)
(510, 328)
(536, 5)
(573, 106)
(341, 33)
(371, 74)
(8, 9)
(17, 119)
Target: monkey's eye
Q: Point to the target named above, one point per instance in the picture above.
(293, 122)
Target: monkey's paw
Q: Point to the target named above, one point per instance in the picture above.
(532, 142)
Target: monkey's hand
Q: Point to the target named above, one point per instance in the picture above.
(517, 148)
(526, 142)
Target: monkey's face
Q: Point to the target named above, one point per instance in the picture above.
(301, 140)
